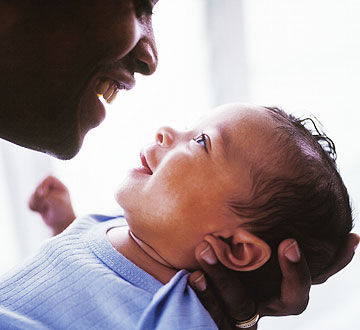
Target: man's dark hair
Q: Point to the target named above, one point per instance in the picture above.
(307, 201)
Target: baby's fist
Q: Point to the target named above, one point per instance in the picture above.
(52, 200)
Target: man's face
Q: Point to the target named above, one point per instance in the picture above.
(182, 190)
(56, 56)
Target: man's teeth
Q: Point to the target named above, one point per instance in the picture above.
(113, 96)
(103, 86)
(108, 89)
(109, 92)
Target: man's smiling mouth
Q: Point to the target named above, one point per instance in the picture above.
(108, 89)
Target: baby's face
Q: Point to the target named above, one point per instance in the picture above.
(181, 191)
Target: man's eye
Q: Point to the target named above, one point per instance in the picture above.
(143, 7)
(202, 140)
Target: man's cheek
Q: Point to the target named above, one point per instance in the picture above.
(119, 34)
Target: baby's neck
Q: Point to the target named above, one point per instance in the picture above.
(150, 251)
(140, 253)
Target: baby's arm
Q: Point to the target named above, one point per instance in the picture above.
(52, 200)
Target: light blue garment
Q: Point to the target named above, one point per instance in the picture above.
(79, 281)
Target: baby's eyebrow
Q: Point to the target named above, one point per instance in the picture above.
(225, 141)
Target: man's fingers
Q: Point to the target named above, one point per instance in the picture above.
(296, 282)
(198, 281)
(206, 295)
(344, 256)
(234, 297)
(208, 298)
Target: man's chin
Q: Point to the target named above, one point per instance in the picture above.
(63, 149)
(66, 149)
(63, 154)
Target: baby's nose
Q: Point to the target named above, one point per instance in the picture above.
(165, 136)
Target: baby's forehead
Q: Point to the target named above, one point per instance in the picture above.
(245, 126)
(247, 131)
(239, 115)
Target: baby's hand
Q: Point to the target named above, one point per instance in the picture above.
(52, 200)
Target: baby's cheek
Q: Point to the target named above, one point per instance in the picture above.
(191, 200)
(186, 188)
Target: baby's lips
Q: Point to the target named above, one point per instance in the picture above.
(145, 163)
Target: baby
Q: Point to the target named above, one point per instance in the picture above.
(243, 179)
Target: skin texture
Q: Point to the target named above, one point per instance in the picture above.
(217, 286)
(192, 177)
(218, 290)
(53, 56)
(50, 65)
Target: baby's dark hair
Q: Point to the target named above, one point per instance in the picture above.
(307, 201)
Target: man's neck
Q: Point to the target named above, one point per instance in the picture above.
(140, 253)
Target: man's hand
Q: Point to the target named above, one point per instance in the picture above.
(226, 298)
(344, 256)
(52, 200)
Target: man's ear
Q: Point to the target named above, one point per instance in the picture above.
(238, 249)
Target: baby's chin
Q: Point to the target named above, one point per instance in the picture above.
(120, 197)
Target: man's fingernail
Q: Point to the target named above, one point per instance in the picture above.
(200, 283)
(292, 252)
(208, 255)
(355, 247)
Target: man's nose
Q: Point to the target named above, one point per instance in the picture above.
(165, 136)
(146, 58)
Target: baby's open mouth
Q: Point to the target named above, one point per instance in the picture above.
(145, 164)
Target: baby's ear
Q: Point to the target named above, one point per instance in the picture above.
(238, 249)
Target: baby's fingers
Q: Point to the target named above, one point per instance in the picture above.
(52, 183)
(37, 199)
(37, 203)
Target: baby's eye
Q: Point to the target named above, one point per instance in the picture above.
(201, 139)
